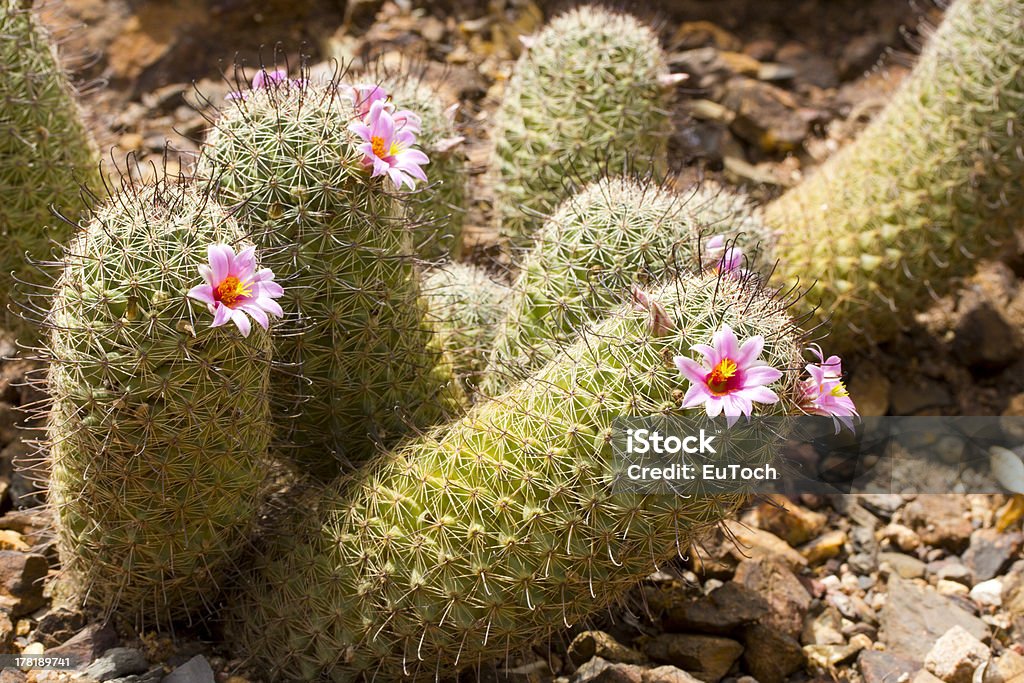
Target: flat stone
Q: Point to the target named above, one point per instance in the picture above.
(884, 667)
(906, 566)
(882, 504)
(787, 598)
(952, 589)
(991, 552)
(824, 547)
(21, 581)
(770, 655)
(116, 663)
(590, 644)
(939, 520)
(708, 658)
(722, 611)
(950, 569)
(87, 645)
(598, 670)
(915, 617)
(956, 655)
(758, 543)
(792, 523)
(195, 670)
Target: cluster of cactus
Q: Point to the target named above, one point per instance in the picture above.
(474, 541)
(934, 181)
(468, 307)
(159, 424)
(615, 233)
(46, 156)
(588, 94)
(359, 366)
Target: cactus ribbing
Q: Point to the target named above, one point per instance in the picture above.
(159, 424)
(584, 97)
(46, 155)
(361, 364)
(616, 232)
(468, 307)
(933, 181)
(481, 538)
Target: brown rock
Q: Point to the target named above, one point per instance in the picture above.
(58, 626)
(869, 389)
(591, 644)
(824, 547)
(598, 670)
(757, 543)
(991, 552)
(770, 655)
(766, 116)
(21, 581)
(694, 34)
(708, 658)
(884, 667)
(906, 566)
(87, 645)
(722, 611)
(7, 635)
(1006, 668)
(787, 598)
(939, 520)
(670, 674)
(792, 523)
(956, 655)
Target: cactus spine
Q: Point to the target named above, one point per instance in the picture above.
(478, 539)
(361, 365)
(469, 307)
(46, 154)
(616, 232)
(158, 424)
(935, 179)
(585, 96)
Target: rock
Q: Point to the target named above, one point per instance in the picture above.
(789, 521)
(950, 569)
(925, 676)
(21, 581)
(770, 655)
(1006, 668)
(598, 670)
(917, 395)
(884, 667)
(860, 53)
(766, 116)
(991, 552)
(824, 547)
(694, 34)
(824, 629)
(87, 645)
(154, 675)
(903, 537)
(722, 611)
(775, 72)
(914, 617)
(197, 670)
(811, 67)
(709, 68)
(869, 389)
(708, 658)
(787, 598)
(985, 340)
(668, 674)
(758, 543)
(939, 521)
(58, 625)
(1012, 427)
(116, 663)
(952, 589)
(906, 566)
(827, 657)
(7, 634)
(988, 593)
(955, 656)
(882, 504)
(598, 643)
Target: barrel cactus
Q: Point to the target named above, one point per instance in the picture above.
(479, 539)
(934, 181)
(159, 423)
(359, 364)
(46, 156)
(588, 94)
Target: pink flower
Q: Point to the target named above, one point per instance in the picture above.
(824, 392)
(389, 149)
(364, 95)
(234, 288)
(263, 80)
(730, 378)
(727, 260)
(658, 324)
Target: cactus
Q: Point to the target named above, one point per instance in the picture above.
(614, 233)
(361, 365)
(483, 537)
(469, 306)
(934, 180)
(46, 154)
(158, 425)
(588, 94)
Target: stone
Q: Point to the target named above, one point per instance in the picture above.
(21, 581)
(925, 676)
(708, 658)
(827, 657)
(914, 617)
(591, 644)
(695, 34)
(882, 504)
(860, 53)
(10, 675)
(906, 566)
(956, 655)
(766, 116)
(902, 537)
(154, 675)
(770, 655)
(824, 629)
(757, 543)
(668, 674)
(722, 611)
(1006, 668)
(985, 340)
(950, 569)
(869, 389)
(825, 547)
(197, 670)
(7, 634)
(988, 593)
(918, 395)
(787, 599)
(58, 625)
(118, 662)
(86, 645)
(991, 552)
(597, 670)
(884, 667)
(811, 67)
(952, 589)
(939, 520)
(789, 521)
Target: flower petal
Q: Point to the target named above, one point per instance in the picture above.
(691, 369)
(241, 321)
(202, 293)
(221, 257)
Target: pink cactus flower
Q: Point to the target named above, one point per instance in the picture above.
(264, 79)
(730, 378)
(728, 261)
(388, 149)
(824, 392)
(658, 324)
(234, 288)
(365, 94)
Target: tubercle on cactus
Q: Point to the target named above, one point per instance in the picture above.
(933, 182)
(157, 423)
(365, 365)
(481, 538)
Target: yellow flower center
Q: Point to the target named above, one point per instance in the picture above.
(230, 290)
(381, 150)
(722, 376)
(839, 390)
